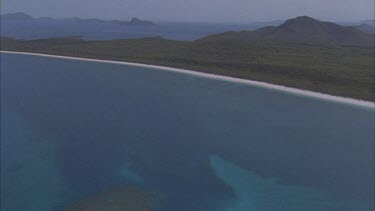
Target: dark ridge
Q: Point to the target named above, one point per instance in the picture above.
(137, 21)
(19, 16)
(302, 29)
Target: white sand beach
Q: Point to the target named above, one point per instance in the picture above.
(295, 91)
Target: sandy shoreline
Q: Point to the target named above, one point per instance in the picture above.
(281, 88)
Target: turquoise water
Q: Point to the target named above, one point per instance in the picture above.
(76, 133)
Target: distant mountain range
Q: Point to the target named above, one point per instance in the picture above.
(25, 17)
(369, 22)
(301, 30)
(366, 28)
(24, 26)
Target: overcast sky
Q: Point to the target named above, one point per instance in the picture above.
(196, 10)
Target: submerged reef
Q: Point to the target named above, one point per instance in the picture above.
(28, 181)
(254, 192)
(119, 198)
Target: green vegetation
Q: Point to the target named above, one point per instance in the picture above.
(337, 70)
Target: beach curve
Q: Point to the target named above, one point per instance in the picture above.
(280, 88)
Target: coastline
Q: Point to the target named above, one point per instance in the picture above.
(280, 88)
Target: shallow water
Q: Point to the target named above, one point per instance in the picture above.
(76, 133)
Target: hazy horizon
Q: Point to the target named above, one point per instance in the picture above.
(236, 11)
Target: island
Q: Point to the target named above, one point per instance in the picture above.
(302, 52)
(19, 16)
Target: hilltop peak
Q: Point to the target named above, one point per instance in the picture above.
(301, 21)
(134, 19)
(137, 21)
(16, 16)
(302, 29)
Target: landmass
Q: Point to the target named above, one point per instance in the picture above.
(25, 17)
(302, 53)
(19, 16)
(366, 28)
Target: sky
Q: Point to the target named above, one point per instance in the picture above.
(195, 10)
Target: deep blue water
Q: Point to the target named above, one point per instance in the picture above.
(70, 129)
(38, 29)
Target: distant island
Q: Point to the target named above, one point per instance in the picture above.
(25, 17)
(366, 28)
(19, 16)
(302, 52)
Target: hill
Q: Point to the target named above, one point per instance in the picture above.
(301, 30)
(15, 17)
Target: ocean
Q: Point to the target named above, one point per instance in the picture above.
(80, 135)
(40, 29)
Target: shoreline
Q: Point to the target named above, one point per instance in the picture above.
(280, 88)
